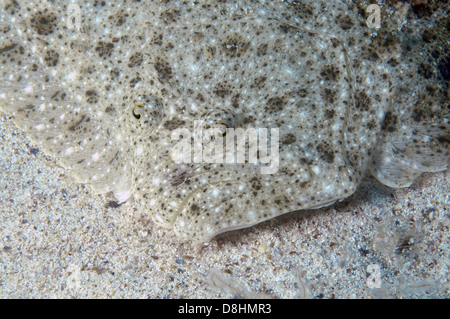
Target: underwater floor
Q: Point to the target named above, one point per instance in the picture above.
(60, 240)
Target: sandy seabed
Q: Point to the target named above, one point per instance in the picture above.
(60, 240)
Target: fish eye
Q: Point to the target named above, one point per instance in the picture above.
(137, 116)
(146, 114)
(216, 122)
(220, 118)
